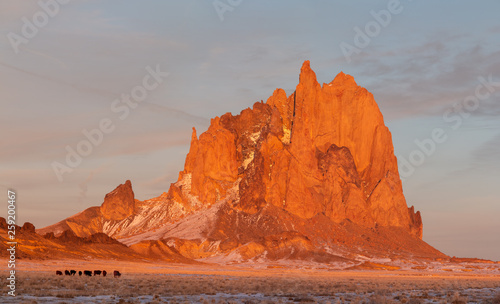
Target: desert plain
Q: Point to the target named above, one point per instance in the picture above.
(276, 282)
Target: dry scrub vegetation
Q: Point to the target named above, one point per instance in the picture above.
(44, 287)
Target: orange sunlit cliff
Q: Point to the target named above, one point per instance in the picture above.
(309, 176)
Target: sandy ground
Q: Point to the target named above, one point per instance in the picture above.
(36, 282)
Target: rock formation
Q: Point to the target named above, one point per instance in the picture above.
(324, 149)
(112, 217)
(311, 173)
(67, 245)
(119, 203)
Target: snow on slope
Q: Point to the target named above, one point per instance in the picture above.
(152, 214)
(192, 226)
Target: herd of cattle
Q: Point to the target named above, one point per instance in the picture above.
(116, 273)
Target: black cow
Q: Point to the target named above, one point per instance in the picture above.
(73, 272)
(80, 273)
(58, 272)
(66, 272)
(104, 273)
(87, 273)
(116, 274)
(97, 272)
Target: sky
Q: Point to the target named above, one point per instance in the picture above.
(67, 67)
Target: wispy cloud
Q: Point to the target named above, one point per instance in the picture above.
(84, 185)
(79, 87)
(487, 155)
(427, 78)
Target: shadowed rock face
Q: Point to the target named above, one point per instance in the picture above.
(28, 227)
(296, 174)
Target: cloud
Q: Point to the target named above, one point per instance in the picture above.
(159, 184)
(486, 155)
(179, 114)
(427, 78)
(84, 185)
(79, 87)
(490, 107)
(12, 11)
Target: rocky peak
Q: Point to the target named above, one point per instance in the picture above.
(312, 170)
(307, 76)
(320, 150)
(119, 203)
(28, 227)
(343, 81)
